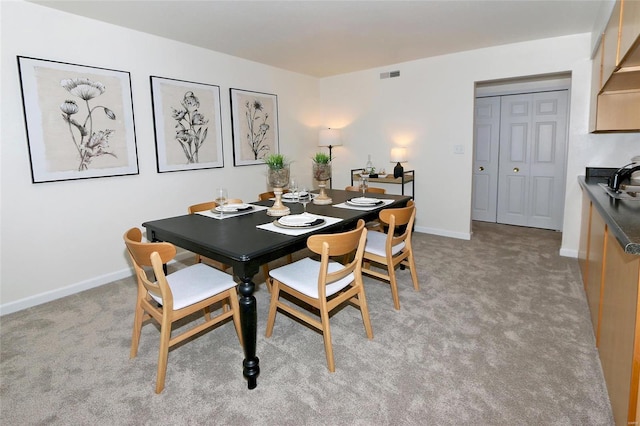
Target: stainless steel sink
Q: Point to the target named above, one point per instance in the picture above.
(627, 192)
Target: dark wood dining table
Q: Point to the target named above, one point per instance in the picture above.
(236, 241)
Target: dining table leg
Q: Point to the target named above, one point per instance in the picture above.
(249, 324)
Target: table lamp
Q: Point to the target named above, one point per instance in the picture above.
(330, 138)
(398, 155)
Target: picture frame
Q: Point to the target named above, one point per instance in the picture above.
(79, 120)
(187, 121)
(254, 119)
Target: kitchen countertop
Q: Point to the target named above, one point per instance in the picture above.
(622, 216)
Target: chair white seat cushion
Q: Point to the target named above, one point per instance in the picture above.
(196, 283)
(376, 242)
(303, 276)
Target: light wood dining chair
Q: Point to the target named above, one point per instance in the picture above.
(172, 297)
(266, 196)
(323, 284)
(371, 189)
(393, 248)
(372, 225)
(210, 205)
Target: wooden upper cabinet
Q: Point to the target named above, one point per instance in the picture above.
(630, 31)
(615, 103)
(611, 38)
(596, 84)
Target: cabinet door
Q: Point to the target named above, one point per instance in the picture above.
(611, 40)
(618, 111)
(596, 84)
(585, 236)
(595, 263)
(630, 30)
(618, 330)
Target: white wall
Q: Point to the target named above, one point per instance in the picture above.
(58, 238)
(429, 109)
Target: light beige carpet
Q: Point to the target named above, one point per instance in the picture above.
(499, 334)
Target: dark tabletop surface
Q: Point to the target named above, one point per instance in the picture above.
(237, 241)
(622, 216)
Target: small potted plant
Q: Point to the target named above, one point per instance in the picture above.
(322, 173)
(278, 176)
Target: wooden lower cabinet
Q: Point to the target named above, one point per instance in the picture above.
(595, 265)
(585, 236)
(612, 280)
(619, 344)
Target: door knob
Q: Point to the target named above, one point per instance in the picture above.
(481, 168)
(515, 169)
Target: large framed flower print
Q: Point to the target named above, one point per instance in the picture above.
(79, 120)
(188, 128)
(254, 118)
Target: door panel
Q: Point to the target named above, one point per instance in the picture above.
(512, 204)
(481, 190)
(542, 194)
(485, 161)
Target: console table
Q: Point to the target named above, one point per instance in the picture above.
(407, 177)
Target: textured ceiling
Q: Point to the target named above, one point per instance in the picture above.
(324, 38)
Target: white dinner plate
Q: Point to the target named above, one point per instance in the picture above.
(298, 222)
(364, 201)
(230, 208)
(289, 195)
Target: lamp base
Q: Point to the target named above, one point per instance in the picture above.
(278, 208)
(322, 198)
(398, 170)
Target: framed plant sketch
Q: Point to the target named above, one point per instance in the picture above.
(254, 118)
(79, 120)
(187, 121)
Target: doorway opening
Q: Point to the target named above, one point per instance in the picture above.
(520, 150)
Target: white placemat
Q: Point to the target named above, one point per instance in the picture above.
(352, 207)
(327, 221)
(216, 215)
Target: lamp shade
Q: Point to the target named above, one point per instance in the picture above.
(329, 137)
(398, 155)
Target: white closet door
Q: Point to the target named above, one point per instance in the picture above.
(532, 159)
(485, 159)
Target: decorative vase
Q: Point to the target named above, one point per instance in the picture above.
(322, 173)
(278, 179)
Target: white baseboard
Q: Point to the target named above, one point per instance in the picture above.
(59, 293)
(443, 233)
(569, 253)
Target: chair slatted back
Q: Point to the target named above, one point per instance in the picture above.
(142, 255)
(265, 196)
(399, 217)
(330, 245)
(371, 189)
(210, 205)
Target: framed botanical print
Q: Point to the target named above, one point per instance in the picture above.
(187, 121)
(254, 118)
(79, 120)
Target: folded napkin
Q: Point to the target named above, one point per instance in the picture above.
(292, 231)
(354, 207)
(228, 214)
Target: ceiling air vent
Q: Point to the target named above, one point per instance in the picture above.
(390, 74)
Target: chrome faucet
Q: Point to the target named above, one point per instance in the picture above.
(621, 175)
